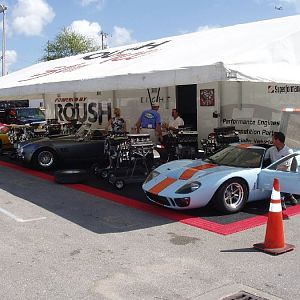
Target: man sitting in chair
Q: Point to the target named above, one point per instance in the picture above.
(175, 122)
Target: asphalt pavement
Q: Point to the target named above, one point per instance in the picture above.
(60, 243)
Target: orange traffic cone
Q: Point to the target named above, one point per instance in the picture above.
(274, 239)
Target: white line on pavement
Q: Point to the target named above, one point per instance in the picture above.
(9, 214)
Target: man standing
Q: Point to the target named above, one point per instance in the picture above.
(276, 152)
(150, 122)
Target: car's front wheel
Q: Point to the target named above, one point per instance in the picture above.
(231, 196)
(45, 159)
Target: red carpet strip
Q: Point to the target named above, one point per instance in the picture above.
(223, 229)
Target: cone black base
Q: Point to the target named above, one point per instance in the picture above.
(275, 251)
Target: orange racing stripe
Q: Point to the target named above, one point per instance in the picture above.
(244, 145)
(162, 185)
(187, 174)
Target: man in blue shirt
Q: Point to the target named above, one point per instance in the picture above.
(150, 122)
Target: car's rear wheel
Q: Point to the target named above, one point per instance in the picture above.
(232, 196)
(45, 159)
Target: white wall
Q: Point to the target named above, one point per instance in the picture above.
(205, 121)
(36, 103)
(253, 108)
(131, 103)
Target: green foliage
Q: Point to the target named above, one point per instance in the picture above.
(68, 43)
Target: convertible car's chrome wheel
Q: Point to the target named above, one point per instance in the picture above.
(45, 159)
(231, 196)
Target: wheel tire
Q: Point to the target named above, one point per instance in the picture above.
(70, 176)
(104, 174)
(231, 196)
(45, 159)
(119, 184)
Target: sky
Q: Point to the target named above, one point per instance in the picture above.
(30, 24)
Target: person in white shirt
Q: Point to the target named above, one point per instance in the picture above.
(175, 122)
(276, 152)
(168, 132)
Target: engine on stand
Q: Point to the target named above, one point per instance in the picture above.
(37, 130)
(20, 133)
(219, 139)
(130, 158)
(180, 145)
(187, 144)
(53, 127)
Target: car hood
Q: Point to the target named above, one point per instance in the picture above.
(197, 169)
(51, 140)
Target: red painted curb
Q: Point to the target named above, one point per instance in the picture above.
(223, 229)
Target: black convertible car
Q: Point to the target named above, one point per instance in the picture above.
(87, 145)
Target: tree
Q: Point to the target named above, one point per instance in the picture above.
(68, 43)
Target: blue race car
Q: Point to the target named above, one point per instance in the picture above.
(228, 179)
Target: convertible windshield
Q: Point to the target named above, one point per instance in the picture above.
(28, 113)
(237, 156)
(83, 131)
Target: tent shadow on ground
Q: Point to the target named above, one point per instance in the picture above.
(90, 212)
(134, 192)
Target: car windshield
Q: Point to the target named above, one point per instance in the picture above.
(237, 156)
(30, 113)
(83, 131)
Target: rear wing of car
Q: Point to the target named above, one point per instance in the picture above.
(289, 125)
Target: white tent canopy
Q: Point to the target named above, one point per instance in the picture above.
(267, 51)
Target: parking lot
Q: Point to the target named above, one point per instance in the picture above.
(62, 243)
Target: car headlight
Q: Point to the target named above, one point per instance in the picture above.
(189, 188)
(152, 175)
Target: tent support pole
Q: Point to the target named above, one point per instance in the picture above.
(114, 99)
(240, 95)
(219, 101)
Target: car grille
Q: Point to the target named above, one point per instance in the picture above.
(158, 199)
